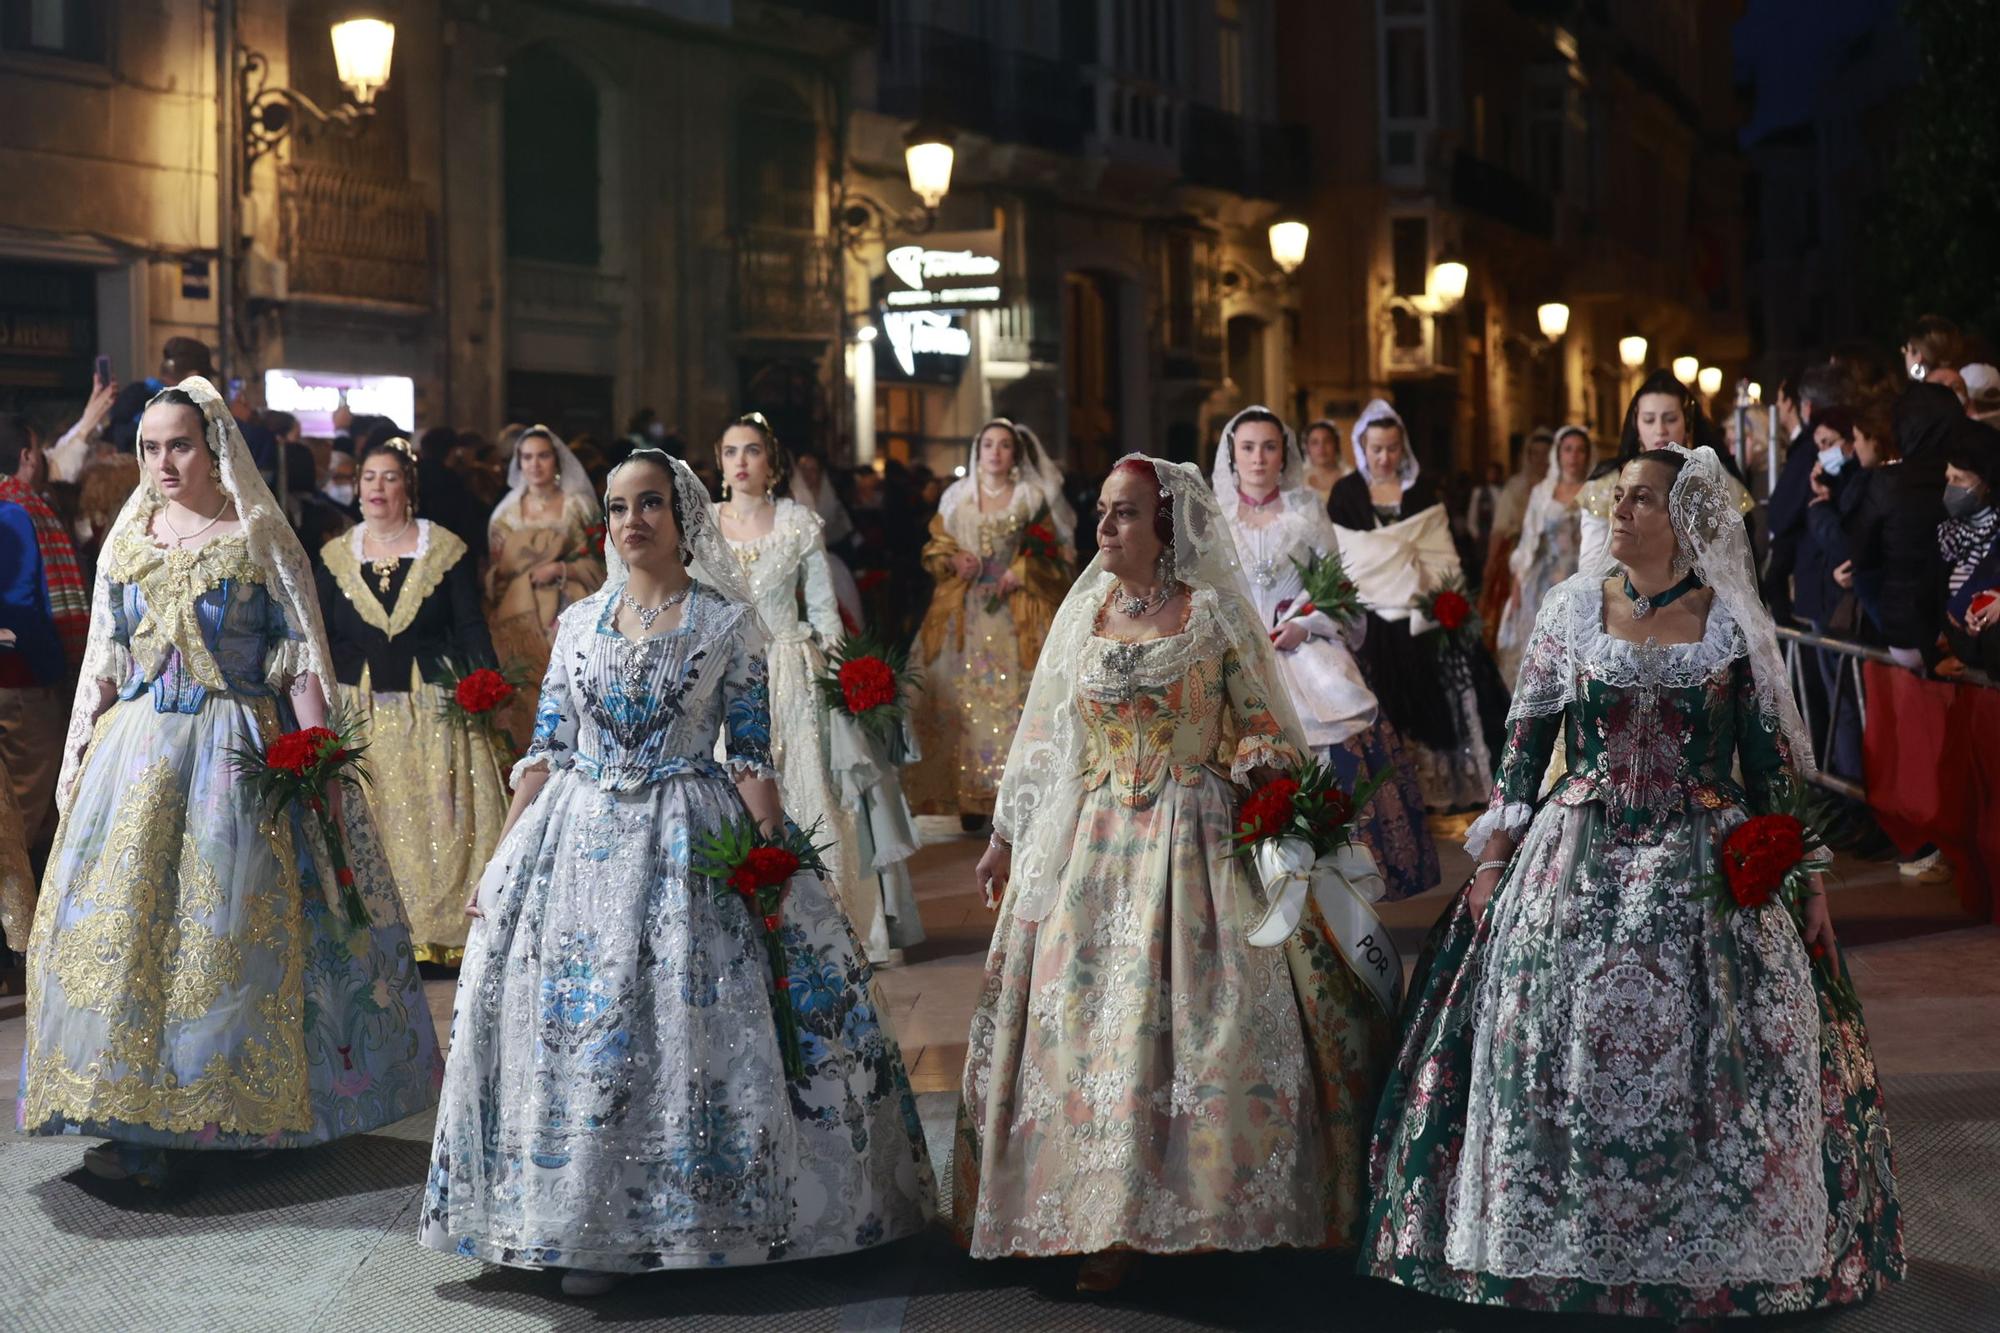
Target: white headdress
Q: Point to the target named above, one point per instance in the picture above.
(1041, 789)
(569, 475)
(712, 561)
(1299, 499)
(1378, 409)
(273, 547)
(1541, 502)
(1041, 482)
(1713, 543)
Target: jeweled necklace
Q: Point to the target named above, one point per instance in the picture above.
(648, 614)
(1265, 503)
(384, 567)
(987, 492)
(1645, 606)
(1135, 608)
(179, 539)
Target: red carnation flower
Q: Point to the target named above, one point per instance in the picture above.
(344, 876)
(744, 880)
(1759, 854)
(1270, 808)
(867, 682)
(296, 751)
(483, 691)
(769, 866)
(771, 922)
(1450, 609)
(1339, 806)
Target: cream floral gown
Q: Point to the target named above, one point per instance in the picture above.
(1138, 1075)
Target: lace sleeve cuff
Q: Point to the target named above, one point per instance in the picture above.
(542, 759)
(1509, 817)
(1260, 752)
(743, 766)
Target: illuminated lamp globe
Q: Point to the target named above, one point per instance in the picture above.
(1553, 317)
(1447, 282)
(928, 155)
(1756, 392)
(1686, 368)
(1632, 351)
(362, 49)
(1710, 380)
(1288, 244)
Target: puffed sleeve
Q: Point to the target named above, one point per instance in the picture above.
(1261, 741)
(822, 607)
(285, 655)
(746, 705)
(553, 745)
(1532, 728)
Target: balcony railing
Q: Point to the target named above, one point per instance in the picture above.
(352, 236)
(785, 284)
(1227, 152)
(1482, 187)
(932, 73)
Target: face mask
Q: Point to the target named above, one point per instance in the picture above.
(1962, 501)
(1831, 461)
(340, 492)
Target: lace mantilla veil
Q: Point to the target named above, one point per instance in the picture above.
(1540, 501)
(1299, 502)
(273, 547)
(569, 475)
(959, 505)
(1041, 789)
(714, 564)
(1709, 527)
(1378, 409)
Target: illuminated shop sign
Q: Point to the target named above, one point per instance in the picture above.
(312, 396)
(945, 269)
(923, 346)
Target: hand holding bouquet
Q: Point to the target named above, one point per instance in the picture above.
(1326, 589)
(477, 697)
(1449, 608)
(298, 768)
(757, 867)
(871, 683)
(1307, 804)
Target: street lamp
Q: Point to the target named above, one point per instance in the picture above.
(362, 51)
(1756, 392)
(928, 156)
(1288, 244)
(1710, 380)
(859, 217)
(1448, 277)
(1685, 369)
(1553, 317)
(1632, 351)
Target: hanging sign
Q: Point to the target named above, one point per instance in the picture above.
(944, 270)
(926, 346)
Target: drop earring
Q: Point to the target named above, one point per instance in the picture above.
(725, 492)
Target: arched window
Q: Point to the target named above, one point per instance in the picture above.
(777, 159)
(550, 122)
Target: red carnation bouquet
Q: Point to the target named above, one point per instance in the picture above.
(1769, 860)
(871, 683)
(757, 867)
(1449, 608)
(295, 770)
(1039, 542)
(1309, 804)
(477, 697)
(1326, 588)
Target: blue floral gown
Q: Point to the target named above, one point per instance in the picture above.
(615, 1098)
(189, 986)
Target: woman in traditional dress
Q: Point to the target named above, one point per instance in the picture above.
(1139, 1077)
(781, 548)
(1440, 691)
(543, 544)
(1279, 526)
(404, 621)
(1663, 411)
(616, 1099)
(1612, 1095)
(1322, 465)
(982, 636)
(1546, 553)
(191, 983)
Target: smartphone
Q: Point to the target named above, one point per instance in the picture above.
(103, 370)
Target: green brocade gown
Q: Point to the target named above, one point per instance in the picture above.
(1609, 1097)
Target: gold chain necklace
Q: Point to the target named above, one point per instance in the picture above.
(383, 567)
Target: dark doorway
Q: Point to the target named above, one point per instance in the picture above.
(571, 405)
(549, 164)
(1429, 407)
(1092, 371)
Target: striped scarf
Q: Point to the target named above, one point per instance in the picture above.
(1964, 542)
(69, 595)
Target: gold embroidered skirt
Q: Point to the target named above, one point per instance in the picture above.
(439, 791)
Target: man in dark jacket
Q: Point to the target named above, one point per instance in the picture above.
(1800, 401)
(1893, 535)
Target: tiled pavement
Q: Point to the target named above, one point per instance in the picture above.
(324, 1239)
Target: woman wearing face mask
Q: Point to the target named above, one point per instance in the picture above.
(194, 983)
(1663, 412)
(405, 624)
(542, 542)
(616, 1100)
(1140, 1079)
(782, 549)
(1611, 1097)
(1969, 540)
(982, 637)
(1546, 553)
(1395, 540)
(1279, 525)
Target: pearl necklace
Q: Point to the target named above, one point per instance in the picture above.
(384, 567)
(1136, 608)
(648, 614)
(182, 539)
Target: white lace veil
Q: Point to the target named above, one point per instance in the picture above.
(713, 563)
(1039, 474)
(1378, 409)
(1299, 502)
(1540, 501)
(1707, 524)
(1041, 789)
(569, 475)
(273, 547)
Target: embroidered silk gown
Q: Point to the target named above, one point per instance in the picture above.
(401, 633)
(522, 615)
(1611, 1098)
(1137, 1074)
(615, 1097)
(189, 987)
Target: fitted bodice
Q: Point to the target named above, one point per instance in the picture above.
(1268, 554)
(629, 712)
(197, 622)
(788, 560)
